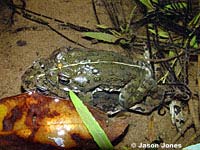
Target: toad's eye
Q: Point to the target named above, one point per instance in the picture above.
(63, 79)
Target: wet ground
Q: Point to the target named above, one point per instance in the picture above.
(25, 41)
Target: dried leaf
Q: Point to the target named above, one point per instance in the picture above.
(33, 121)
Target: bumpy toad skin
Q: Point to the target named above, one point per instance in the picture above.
(87, 72)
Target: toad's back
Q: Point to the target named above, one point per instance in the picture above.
(84, 70)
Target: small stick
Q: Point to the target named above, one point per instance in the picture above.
(95, 12)
(194, 113)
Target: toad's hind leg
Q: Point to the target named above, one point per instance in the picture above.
(134, 92)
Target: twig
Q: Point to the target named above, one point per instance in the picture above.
(194, 113)
(70, 25)
(65, 36)
(110, 8)
(171, 58)
(40, 21)
(95, 12)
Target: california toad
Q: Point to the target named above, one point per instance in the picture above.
(88, 72)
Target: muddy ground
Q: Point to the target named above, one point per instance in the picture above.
(25, 41)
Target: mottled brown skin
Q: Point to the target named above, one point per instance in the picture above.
(31, 120)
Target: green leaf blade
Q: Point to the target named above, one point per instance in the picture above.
(179, 5)
(148, 4)
(92, 125)
(101, 36)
